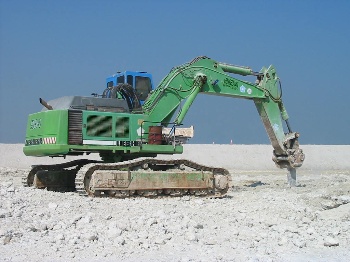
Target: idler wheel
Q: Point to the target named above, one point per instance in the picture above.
(221, 182)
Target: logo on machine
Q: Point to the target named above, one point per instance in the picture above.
(35, 123)
(40, 141)
(34, 141)
(230, 83)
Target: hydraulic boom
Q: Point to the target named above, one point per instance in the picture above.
(204, 75)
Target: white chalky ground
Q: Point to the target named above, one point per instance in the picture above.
(261, 219)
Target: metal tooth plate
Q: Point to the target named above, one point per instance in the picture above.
(148, 180)
(108, 179)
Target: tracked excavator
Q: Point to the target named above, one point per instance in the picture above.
(126, 126)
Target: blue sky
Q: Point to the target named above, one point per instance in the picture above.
(50, 49)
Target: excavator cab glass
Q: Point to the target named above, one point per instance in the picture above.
(143, 87)
(130, 80)
(120, 79)
(140, 81)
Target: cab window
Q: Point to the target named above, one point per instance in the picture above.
(120, 79)
(143, 87)
(110, 84)
(130, 80)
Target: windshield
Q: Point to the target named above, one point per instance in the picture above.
(143, 87)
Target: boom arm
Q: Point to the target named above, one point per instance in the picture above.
(210, 77)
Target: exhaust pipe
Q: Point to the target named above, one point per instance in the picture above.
(43, 102)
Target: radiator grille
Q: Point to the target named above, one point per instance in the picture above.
(75, 124)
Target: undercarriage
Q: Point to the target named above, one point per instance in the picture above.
(140, 177)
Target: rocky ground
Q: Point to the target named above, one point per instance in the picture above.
(261, 219)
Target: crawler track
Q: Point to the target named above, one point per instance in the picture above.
(62, 183)
(140, 177)
(214, 181)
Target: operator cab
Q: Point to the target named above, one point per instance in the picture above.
(140, 81)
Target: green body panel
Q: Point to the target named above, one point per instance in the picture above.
(45, 125)
(46, 150)
(57, 149)
(107, 126)
(47, 134)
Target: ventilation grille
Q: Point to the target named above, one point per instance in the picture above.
(75, 124)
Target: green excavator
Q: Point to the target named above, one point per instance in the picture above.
(130, 123)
